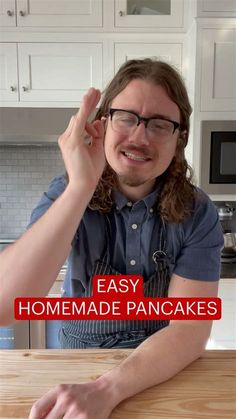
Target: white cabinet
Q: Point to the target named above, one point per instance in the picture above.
(8, 73)
(218, 82)
(216, 8)
(7, 13)
(52, 51)
(51, 13)
(59, 72)
(223, 334)
(169, 52)
(149, 13)
(49, 72)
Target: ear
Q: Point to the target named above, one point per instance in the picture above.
(104, 119)
(183, 138)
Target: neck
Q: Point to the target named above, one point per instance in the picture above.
(138, 192)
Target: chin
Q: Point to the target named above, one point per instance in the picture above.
(125, 180)
(134, 181)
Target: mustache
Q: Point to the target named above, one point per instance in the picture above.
(144, 151)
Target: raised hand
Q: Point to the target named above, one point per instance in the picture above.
(82, 145)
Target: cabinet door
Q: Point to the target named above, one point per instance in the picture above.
(216, 8)
(223, 334)
(171, 53)
(8, 73)
(149, 13)
(7, 13)
(218, 82)
(58, 72)
(219, 5)
(59, 13)
(44, 334)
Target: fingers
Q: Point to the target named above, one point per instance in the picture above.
(68, 130)
(58, 411)
(96, 129)
(90, 129)
(90, 100)
(100, 129)
(43, 406)
(78, 124)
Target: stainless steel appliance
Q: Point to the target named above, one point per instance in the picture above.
(32, 334)
(227, 216)
(22, 126)
(218, 157)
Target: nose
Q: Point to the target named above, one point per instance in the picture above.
(139, 135)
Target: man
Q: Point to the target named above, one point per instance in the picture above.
(126, 205)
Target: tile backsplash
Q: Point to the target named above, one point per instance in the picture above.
(25, 172)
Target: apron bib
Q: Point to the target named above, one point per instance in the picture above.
(120, 333)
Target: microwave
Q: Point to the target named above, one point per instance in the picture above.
(218, 157)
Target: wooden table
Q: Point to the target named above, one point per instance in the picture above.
(205, 389)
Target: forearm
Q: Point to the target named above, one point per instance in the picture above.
(156, 360)
(30, 266)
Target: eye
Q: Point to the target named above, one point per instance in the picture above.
(160, 125)
(125, 118)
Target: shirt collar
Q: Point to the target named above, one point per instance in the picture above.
(150, 200)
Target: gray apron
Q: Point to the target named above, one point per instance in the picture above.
(120, 333)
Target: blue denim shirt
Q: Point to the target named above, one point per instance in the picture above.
(194, 245)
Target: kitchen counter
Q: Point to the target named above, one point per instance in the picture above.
(205, 389)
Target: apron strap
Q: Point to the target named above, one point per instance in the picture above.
(129, 338)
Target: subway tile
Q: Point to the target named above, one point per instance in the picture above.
(25, 173)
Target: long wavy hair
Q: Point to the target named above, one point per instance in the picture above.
(177, 195)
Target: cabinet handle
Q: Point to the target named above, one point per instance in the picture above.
(25, 88)
(22, 13)
(121, 13)
(12, 88)
(10, 13)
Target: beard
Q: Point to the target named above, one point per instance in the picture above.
(131, 180)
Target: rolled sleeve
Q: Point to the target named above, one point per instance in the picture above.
(200, 254)
(55, 189)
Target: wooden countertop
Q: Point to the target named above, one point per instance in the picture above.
(205, 389)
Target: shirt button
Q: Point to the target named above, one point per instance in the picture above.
(151, 210)
(134, 226)
(132, 262)
(129, 204)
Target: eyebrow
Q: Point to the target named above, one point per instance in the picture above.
(155, 115)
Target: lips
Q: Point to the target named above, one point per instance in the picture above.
(135, 157)
(136, 154)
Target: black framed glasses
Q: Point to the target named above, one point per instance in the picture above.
(125, 122)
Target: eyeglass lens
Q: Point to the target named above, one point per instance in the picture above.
(126, 122)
